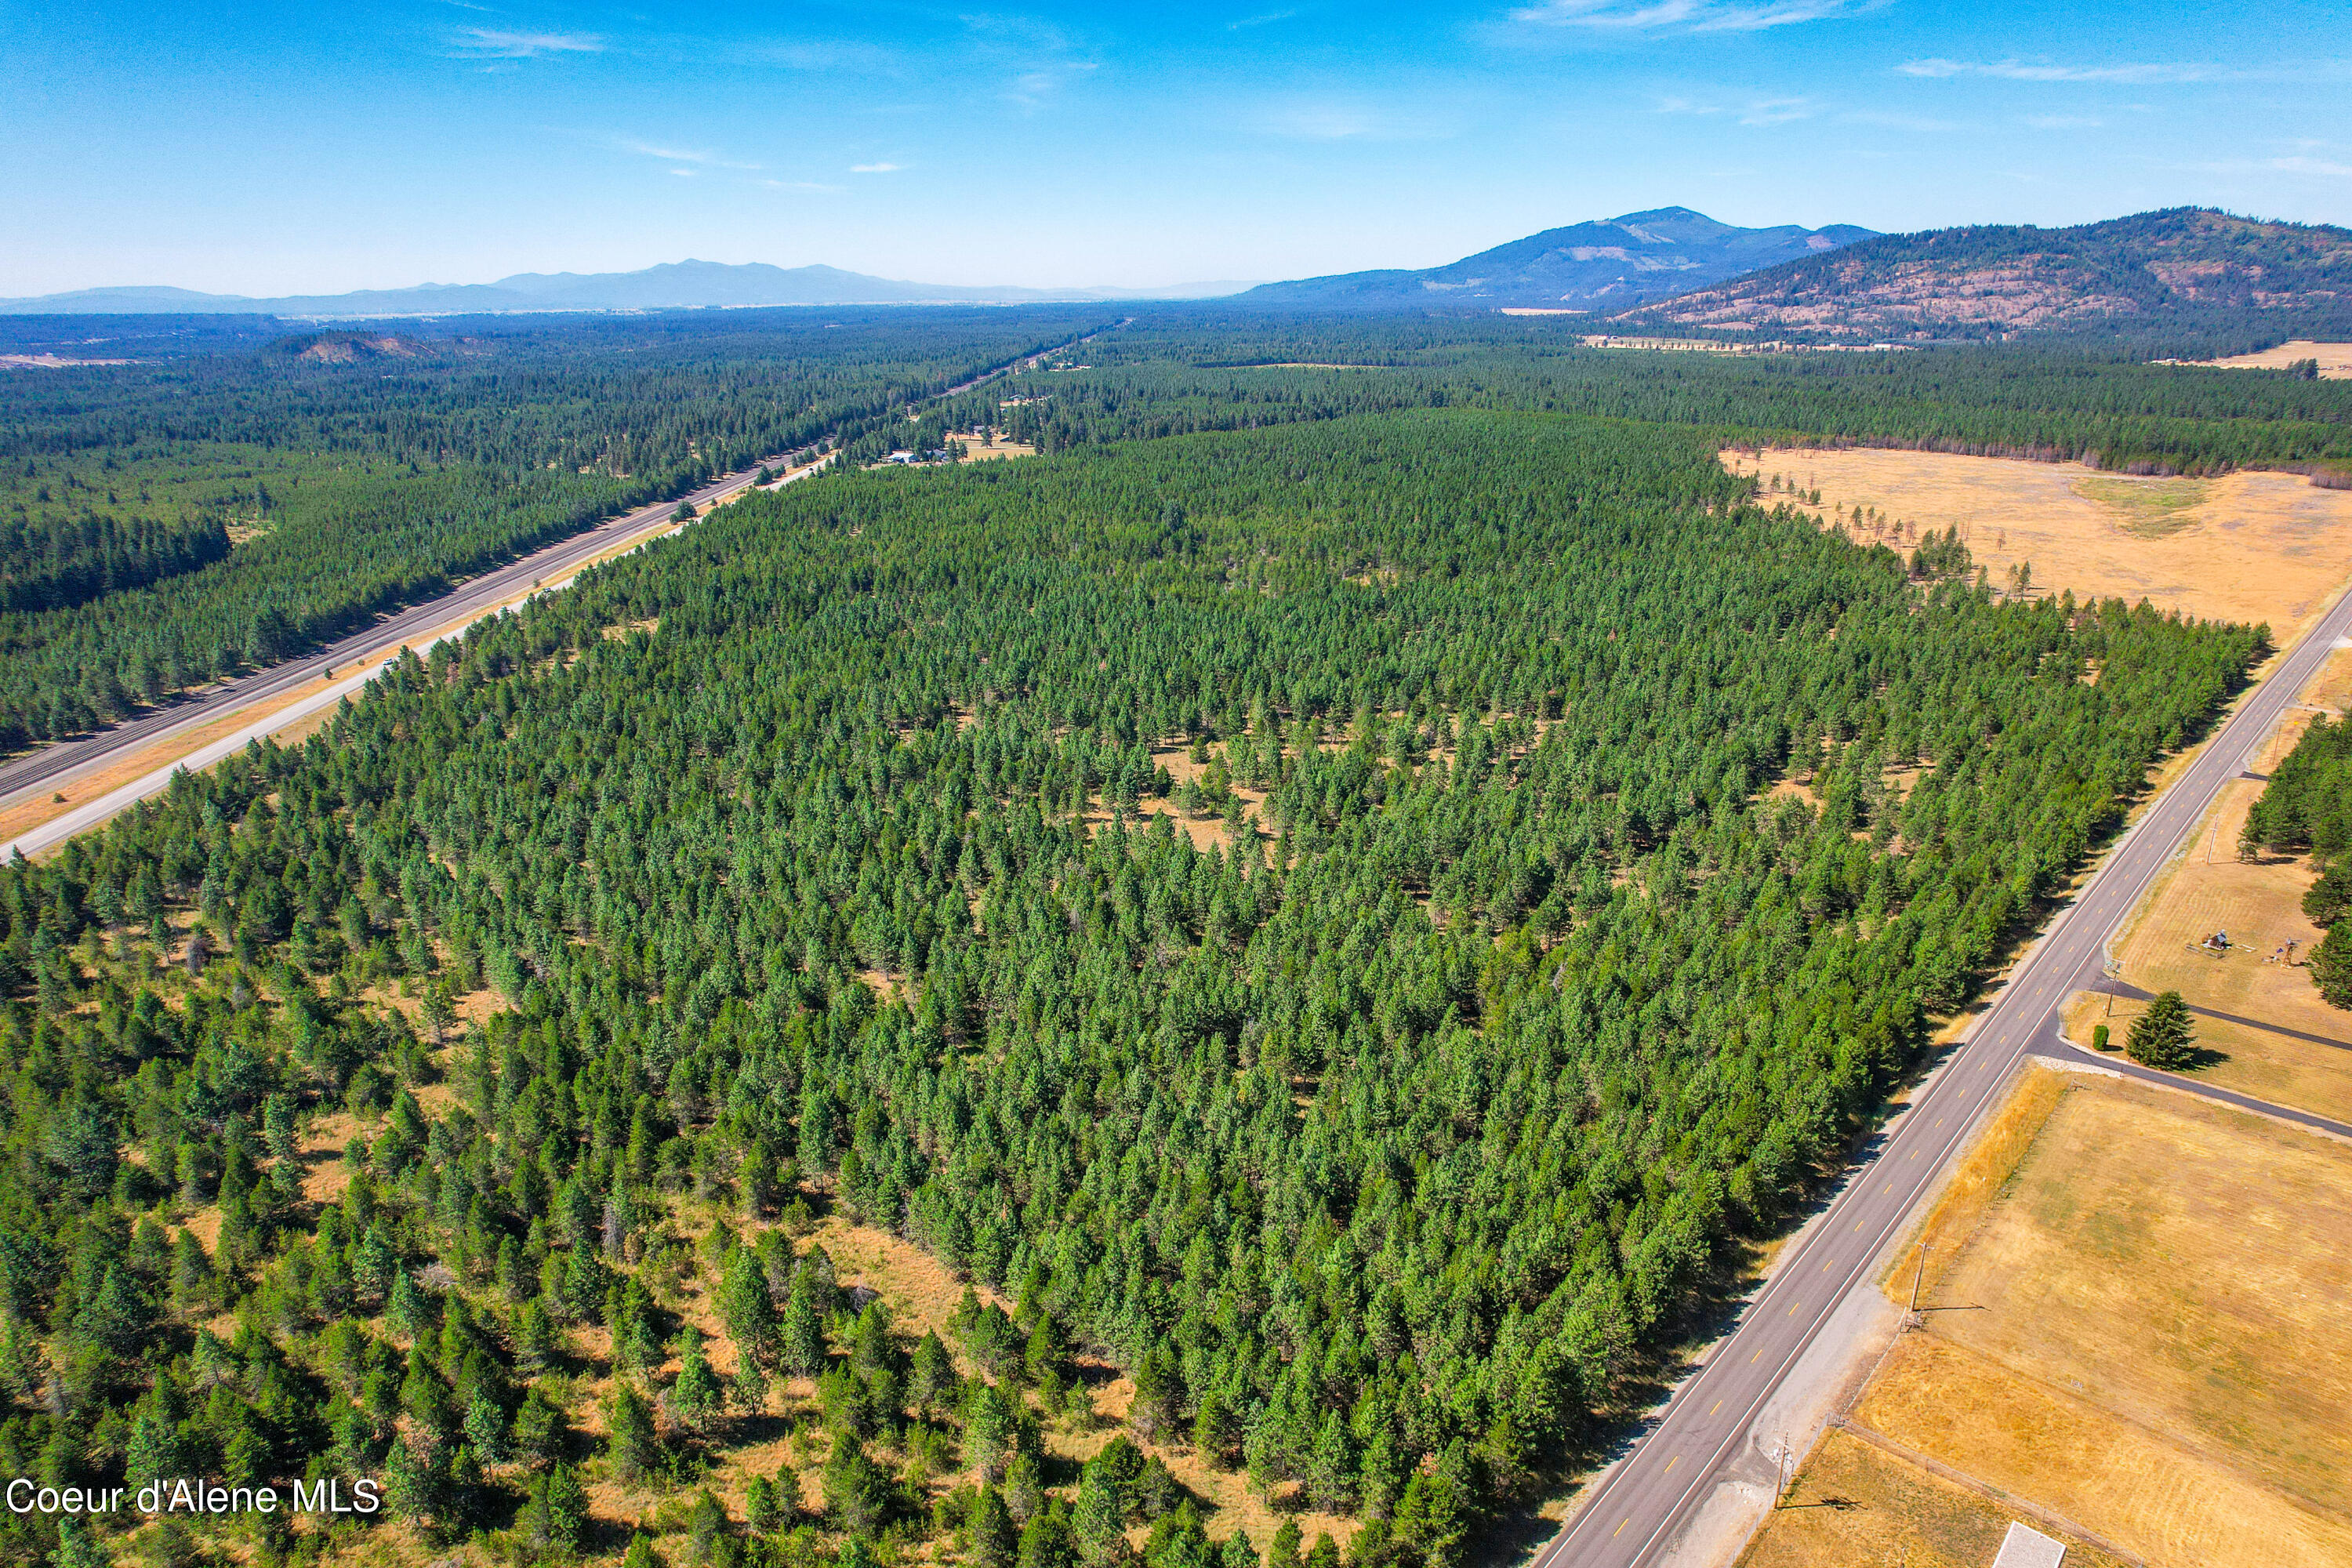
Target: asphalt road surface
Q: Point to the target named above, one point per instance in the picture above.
(50, 764)
(1639, 1507)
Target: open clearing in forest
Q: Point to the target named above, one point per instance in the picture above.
(2251, 546)
(2334, 359)
(2163, 1364)
(2259, 904)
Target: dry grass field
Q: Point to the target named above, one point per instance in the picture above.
(2250, 546)
(2145, 1330)
(1858, 1506)
(2334, 359)
(2260, 905)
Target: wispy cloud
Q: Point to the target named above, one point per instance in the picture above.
(501, 44)
(1262, 19)
(1887, 120)
(2049, 70)
(875, 168)
(1688, 16)
(1753, 111)
(678, 155)
(1777, 110)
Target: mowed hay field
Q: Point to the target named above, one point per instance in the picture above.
(2252, 546)
(2334, 359)
(2260, 905)
(2150, 1333)
(1858, 1506)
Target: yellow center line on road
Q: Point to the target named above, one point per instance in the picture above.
(1792, 1308)
(1672, 1463)
(1718, 1405)
(1752, 1360)
(1621, 1527)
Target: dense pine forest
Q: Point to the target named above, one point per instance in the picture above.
(2073, 400)
(358, 472)
(204, 512)
(1346, 928)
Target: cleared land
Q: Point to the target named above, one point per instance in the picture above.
(2251, 546)
(2163, 1364)
(2259, 904)
(2334, 359)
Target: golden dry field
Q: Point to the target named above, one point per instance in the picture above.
(2334, 359)
(1860, 1506)
(2259, 904)
(2146, 1335)
(2252, 546)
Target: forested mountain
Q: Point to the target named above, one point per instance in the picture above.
(362, 472)
(1600, 265)
(2180, 267)
(822, 857)
(672, 285)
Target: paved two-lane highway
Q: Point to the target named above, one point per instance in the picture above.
(1653, 1492)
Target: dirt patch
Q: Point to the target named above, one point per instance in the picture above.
(2334, 359)
(2249, 546)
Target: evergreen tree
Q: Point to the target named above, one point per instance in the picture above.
(2163, 1038)
(629, 1439)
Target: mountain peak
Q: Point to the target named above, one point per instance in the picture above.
(1600, 263)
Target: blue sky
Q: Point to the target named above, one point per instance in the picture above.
(265, 148)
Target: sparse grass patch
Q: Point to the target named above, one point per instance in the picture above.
(2146, 509)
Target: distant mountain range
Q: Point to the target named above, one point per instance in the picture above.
(1601, 266)
(1667, 270)
(2158, 268)
(673, 285)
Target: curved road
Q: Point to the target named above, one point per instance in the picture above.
(46, 767)
(1636, 1513)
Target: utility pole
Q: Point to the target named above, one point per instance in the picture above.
(1780, 1473)
(1917, 1274)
